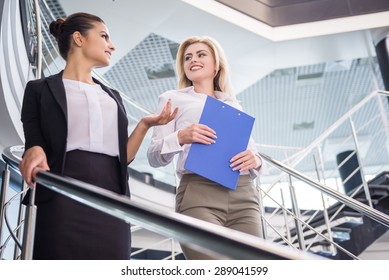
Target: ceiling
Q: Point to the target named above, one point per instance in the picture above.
(288, 12)
(296, 80)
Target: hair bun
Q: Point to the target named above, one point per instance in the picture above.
(55, 27)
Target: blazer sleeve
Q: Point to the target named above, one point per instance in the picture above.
(31, 116)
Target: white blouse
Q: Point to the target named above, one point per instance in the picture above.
(92, 119)
(164, 142)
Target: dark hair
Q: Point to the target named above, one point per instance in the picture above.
(63, 29)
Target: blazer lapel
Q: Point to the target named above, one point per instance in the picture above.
(58, 90)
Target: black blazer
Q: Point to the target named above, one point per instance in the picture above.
(44, 117)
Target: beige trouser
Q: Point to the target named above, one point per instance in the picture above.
(206, 200)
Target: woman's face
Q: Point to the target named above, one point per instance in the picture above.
(199, 63)
(98, 46)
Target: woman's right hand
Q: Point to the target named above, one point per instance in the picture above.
(199, 133)
(34, 160)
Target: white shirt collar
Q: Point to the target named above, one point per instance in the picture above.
(222, 96)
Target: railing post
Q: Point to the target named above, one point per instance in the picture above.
(30, 218)
(262, 209)
(285, 217)
(39, 39)
(325, 212)
(173, 250)
(321, 161)
(327, 222)
(3, 193)
(365, 186)
(20, 217)
(296, 211)
(29, 228)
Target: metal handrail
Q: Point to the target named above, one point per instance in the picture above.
(234, 245)
(336, 124)
(224, 241)
(350, 202)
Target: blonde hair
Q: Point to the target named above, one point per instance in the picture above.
(221, 80)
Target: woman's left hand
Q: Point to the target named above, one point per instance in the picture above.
(164, 117)
(245, 160)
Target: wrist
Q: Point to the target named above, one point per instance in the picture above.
(144, 124)
(179, 132)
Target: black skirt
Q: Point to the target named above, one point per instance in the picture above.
(69, 230)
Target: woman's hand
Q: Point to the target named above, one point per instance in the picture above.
(199, 133)
(138, 134)
(164, 117)
(34, 160)
(245, 161)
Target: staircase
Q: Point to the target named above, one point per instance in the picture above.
(349, 229)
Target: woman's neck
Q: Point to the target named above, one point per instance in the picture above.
(204, 88)
(78, 72)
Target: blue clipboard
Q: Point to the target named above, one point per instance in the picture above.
(233, 129)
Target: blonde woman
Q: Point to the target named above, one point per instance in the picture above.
(202, 71)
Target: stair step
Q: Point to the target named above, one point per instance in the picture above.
(345, 219)
(339, 234)
(380, 179)
(348, 220)
(342, 226)
(379, 192)
(374, 200)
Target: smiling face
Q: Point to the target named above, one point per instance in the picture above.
(97, 46)
(199, 63)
